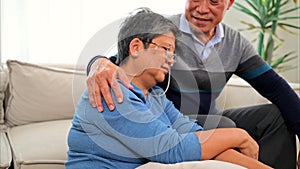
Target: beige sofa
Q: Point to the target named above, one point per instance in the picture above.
(36, 108)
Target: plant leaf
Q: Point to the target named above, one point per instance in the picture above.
(246, 11)
(289, 10)
(288, 25)
(280, 60)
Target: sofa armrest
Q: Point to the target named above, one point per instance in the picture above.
(5, 153)
(3, 86)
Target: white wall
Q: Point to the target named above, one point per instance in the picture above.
(59, 28)
(55, 31)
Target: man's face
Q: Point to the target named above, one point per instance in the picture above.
(204, 15)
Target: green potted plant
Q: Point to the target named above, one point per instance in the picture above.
(269, 16)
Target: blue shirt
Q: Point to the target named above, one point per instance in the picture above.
(139, 130)
(202, 49)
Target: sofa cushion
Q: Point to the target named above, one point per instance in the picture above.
(41, 93)
(42, 145)
(5, 153)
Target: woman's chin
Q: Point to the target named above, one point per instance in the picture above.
(161, 77)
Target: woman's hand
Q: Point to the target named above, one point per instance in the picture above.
(249, 147)
(216, 141)
(103, 76)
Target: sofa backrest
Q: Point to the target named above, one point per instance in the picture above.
(41, 93)
(239, 93)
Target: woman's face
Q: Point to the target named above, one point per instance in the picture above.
(150, 65)
(161, 56)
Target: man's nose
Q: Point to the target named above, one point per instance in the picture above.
(203, 6)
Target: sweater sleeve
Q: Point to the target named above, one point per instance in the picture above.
(182, 124)
(270, 85)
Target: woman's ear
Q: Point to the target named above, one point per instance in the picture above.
(135, 46)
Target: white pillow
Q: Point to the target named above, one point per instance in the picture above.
(40, 93)
(206, 164)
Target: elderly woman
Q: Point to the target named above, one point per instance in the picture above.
(146, 126)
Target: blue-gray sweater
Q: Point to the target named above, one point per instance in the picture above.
(196, 83)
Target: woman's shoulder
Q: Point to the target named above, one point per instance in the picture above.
(157, 90)
(134, 93)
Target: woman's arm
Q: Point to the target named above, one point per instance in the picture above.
(182, 124)
(231, 145)
(216, 141)
(236, 157)
(219, 143)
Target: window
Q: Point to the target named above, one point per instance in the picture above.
(57, 31)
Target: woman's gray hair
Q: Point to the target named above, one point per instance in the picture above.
(145, 25)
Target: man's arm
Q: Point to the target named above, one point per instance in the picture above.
(270, 85)
(278, 91)
(102, 75)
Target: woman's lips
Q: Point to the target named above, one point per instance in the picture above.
(165, 69)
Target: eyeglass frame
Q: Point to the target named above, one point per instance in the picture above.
(167, 51)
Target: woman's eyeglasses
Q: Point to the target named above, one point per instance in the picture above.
(168, 53)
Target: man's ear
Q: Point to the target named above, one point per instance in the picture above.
(230, 4)
(135, 46)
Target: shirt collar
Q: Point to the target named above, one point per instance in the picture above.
(184, 26)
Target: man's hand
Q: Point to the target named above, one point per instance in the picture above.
(103, 76)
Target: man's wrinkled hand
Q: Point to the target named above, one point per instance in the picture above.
(103, 76)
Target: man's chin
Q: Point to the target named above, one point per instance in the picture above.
(198, 29)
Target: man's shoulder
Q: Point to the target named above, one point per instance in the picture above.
(175, 19)
(231, 33)
(228, 29)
